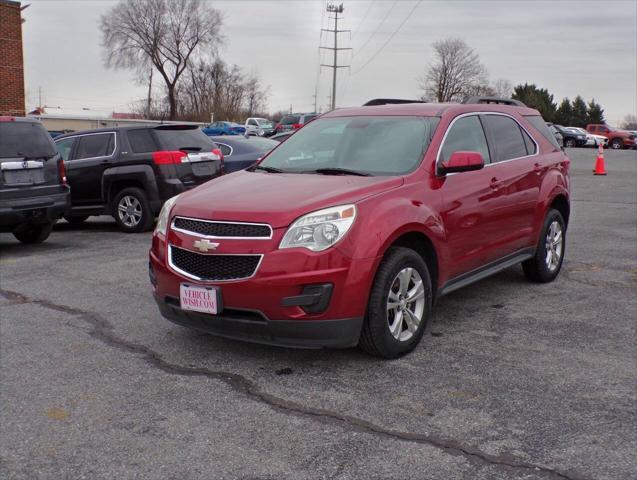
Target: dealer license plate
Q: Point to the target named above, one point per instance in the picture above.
(199, 299)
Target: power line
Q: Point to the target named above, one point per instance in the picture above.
(369, 9)
(390, 37)
(391, 9)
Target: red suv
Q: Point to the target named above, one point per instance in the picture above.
(346, 233)
(617, 138)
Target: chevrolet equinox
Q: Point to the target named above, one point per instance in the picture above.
(346, 233)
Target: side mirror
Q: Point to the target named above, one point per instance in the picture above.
(462, 162)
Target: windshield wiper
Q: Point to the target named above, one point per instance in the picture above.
(338, 171)
(265, 168)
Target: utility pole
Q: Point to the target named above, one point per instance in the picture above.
(150, 92)
(39, 97)
(332, 8)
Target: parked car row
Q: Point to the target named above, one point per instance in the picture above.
(593, 136)
(261, 127)
(127, 172)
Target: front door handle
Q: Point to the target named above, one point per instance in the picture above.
(495, 183)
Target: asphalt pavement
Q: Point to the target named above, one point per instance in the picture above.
(512, 380)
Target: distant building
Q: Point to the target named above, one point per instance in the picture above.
(64, 119)
(11, 60)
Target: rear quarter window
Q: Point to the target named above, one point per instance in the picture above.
(141, 141)
(538, 123)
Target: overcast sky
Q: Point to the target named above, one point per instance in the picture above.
(568, 47)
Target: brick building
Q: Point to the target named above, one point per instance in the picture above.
(11, 60)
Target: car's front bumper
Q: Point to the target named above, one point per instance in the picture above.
(272, 305)
(340, 333)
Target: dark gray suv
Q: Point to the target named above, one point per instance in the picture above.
(33, 190)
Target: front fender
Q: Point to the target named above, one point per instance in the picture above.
(384, 218)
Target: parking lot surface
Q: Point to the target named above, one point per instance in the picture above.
(512, 380)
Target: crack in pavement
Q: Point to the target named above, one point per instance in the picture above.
(103, 331)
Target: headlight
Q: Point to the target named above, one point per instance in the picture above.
(162, 220)
(320, 230)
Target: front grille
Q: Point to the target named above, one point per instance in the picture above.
(213, 267)
(222, 229)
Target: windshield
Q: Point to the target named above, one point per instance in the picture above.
(370, 145)
(177, 138)
(25, 139)
(263, 123)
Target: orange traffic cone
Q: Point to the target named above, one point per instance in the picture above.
(600, 169)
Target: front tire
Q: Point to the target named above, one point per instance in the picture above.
(616, 143)
(131, 210)
(570, 143)
(549, 253)
(399, 305)
(33, 233)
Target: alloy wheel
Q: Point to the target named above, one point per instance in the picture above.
(129, 210)
(554, 245)
(405, 304)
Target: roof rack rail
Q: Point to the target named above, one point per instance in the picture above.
(389, 101)
(496, 100)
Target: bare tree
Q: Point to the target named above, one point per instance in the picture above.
(214, 87)
(629, 122)
(455, 72)
(168, 33)
(502, 88)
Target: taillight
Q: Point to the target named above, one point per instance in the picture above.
(62, 172)
(7, 119)
(296, 126)
(277, 127)
(168, 157)
(218, 152)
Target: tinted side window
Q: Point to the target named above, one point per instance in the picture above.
(539, 124)
(141, 141)
(98, 145)
(507, 136)
(64, 146)
(466, 134)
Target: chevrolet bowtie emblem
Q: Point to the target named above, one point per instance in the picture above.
(205, 245)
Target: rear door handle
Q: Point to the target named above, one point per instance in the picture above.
(537, 168)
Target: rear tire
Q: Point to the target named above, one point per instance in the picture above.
(399, 305)
(549, 253)
(131, 210)
(33, 233)
(76, 219)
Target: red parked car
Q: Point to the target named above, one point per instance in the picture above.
(347, 232)
(617, 138)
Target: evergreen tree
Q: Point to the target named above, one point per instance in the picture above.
(580, 115)
(595, 113)
(538, 98)
(564, 113)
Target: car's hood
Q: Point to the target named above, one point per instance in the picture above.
(276, 198)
